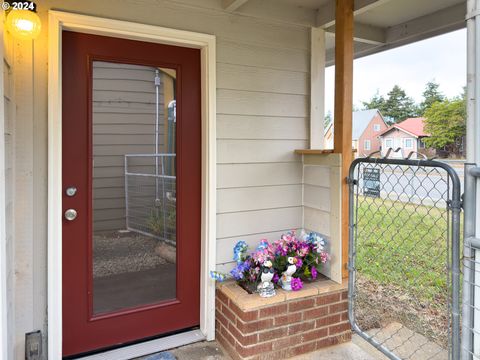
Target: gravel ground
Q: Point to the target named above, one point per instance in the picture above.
(116, 253)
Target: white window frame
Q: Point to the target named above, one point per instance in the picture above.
(405, 140)
(376, 127)
(365, 142)
(59, 21)
(387, 140)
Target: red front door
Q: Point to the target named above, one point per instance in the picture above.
(131, 191)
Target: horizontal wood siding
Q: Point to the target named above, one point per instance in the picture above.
(321, 205)
(262, 117)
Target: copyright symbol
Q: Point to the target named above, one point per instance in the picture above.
(5, 6)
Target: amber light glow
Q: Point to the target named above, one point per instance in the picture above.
(23, 24)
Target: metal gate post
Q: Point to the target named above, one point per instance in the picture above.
(468, 264)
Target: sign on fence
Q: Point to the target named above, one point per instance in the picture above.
(371, 182)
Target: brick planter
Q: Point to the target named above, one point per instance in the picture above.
(289, 324)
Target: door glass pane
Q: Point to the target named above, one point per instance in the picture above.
(134, 186)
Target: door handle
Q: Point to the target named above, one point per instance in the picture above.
(71, 214)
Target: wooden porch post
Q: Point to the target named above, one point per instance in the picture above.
(343, 106)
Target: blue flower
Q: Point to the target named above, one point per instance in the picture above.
(239, 251)
(238, 271)
(217, 276)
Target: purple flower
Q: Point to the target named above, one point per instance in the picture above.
(275, 278)
(314, 273)
(299, 263)
(296, 284)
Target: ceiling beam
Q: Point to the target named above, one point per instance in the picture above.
(367, 34)
(326, 13)
(232, 5)
(442, 21)
(421, 28)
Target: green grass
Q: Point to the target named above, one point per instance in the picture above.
(404, 246)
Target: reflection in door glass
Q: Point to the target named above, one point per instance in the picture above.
(134, 186)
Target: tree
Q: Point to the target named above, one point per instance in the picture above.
(396, 107)
(446, 122)
(431, 95)
(376, 102)
(399, 106)
(328, 119)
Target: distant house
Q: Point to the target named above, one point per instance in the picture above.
(407, 135)
(367, 125)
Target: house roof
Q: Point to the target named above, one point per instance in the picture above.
(360, 120)
(412, 126)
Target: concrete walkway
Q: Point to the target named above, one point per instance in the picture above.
(355, 350)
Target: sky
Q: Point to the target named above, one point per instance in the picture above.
(442, 58)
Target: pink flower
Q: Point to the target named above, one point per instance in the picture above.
(296, 284)
(314, 273)
(324, 257)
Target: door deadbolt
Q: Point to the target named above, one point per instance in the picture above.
(71, 191)
(71, 214)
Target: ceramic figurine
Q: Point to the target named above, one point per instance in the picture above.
(266, 287)
(287, 274)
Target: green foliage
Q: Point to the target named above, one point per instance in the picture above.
(431, 95)
(328, 119)
(157, 223)
(446, 122)
(397, 106)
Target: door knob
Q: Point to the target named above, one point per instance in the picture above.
(71, 214)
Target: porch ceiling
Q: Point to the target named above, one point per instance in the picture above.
(379, 24)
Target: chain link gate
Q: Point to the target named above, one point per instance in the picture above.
(404, 257)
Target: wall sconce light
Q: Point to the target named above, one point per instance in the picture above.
(23, 24)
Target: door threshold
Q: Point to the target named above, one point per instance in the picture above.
(149, 347)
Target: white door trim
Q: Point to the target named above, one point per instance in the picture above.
(59, 21)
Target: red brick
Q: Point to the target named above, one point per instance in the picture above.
(344, 295)
(339, 307)
(288, 319)
(328, 299)
(244, 315)
(301, 327)
(287, 342)
(315, 313)
(323, 343)
(273, 310)
(272, 334)
(328, 320)
(276, 355)
(301, 305)
(253, 350)
(344, 316)
(222, 297)
(339, 328)
(244, 340)
(228, 314)
(222, 319)
(227, 336)
(315, 335)
(302, 349)
(253, 326)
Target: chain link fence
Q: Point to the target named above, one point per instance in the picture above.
(404, 257)
(150, 195)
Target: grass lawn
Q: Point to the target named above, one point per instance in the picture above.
(405, 246)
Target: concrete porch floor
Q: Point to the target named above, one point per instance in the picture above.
(357, 349)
